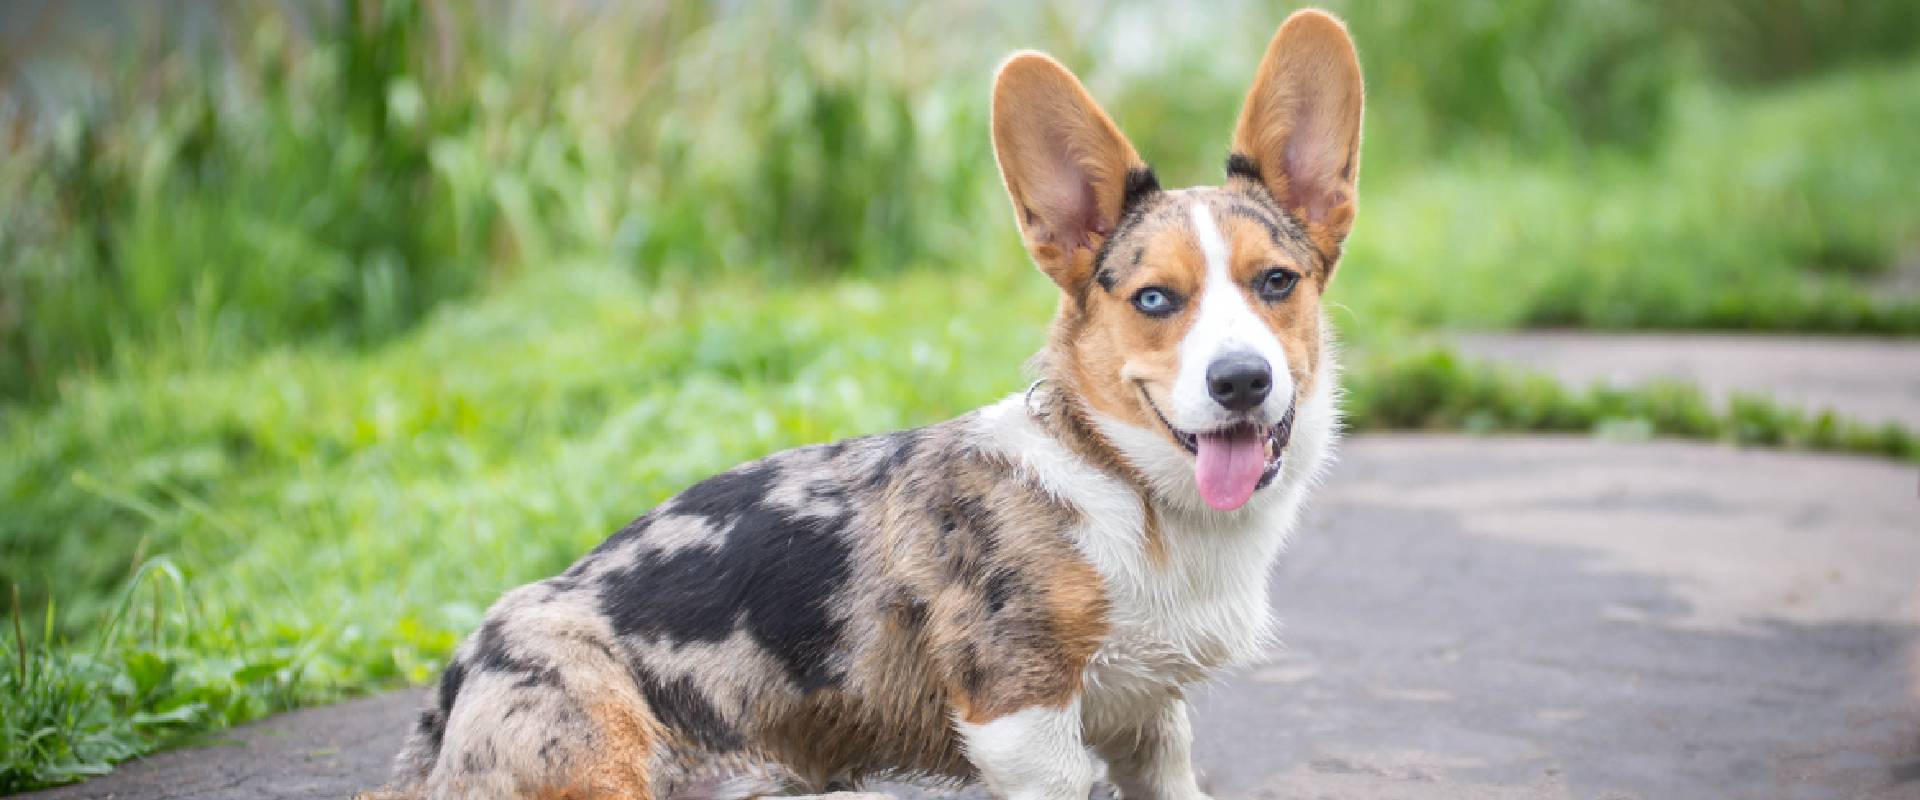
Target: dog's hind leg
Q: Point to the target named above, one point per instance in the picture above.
(579, 733)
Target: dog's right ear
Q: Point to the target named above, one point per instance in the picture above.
(1069, 172)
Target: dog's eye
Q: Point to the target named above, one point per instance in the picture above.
(1154, 301)
(1275, 284)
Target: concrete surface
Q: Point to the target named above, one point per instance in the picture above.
(1870, 380)
(329, 752)
(1481, 618)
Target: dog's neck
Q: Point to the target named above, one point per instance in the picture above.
(1057, 405)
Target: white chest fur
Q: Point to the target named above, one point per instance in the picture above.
(1200, 605)
(1196, 601)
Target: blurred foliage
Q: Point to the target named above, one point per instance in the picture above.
(166, 222)
(315, 337)
(329, 173)
(1755, 41)
(1568, 75)
(1775, 212)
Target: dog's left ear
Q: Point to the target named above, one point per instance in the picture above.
(1299, 132)
(1068, 170)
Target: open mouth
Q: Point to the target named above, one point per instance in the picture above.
(1232, 462)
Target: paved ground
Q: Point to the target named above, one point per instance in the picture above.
(1871, 380)
(1483, 618)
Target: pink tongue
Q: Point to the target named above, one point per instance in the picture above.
(1229, 466)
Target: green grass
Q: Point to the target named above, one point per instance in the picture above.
(1435, 390)
(287, 398)
(149, 677)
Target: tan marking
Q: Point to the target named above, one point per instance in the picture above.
(1150, 533)
(1112, 350)
(624, 743)
(1077, 597)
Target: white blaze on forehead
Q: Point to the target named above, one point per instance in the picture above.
(1212, 245)
(1223, 323)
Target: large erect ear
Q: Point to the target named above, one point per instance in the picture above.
(1068, 170)
(1299, 132)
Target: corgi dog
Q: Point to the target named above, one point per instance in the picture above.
(1015, 596)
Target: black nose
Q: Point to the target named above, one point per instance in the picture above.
(1239, 381)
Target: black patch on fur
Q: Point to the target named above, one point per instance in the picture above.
(450, 682)
(1241, 165)
(968, 545)
(972, 677)
(433, 726)
(1141, 184)
(773, 575)
(1261, 216)
(968, 537)
(1107, 279)
(1141, 187)
(1001, 585)
(910, 611)
(723, 498)
(490, 655)
(681, 706)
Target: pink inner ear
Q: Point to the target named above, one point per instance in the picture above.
(1313, 193)
(1070, 211)
(1087, 221)
(1318, 165)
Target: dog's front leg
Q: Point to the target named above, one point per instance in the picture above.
(1156, 762)
(1036, 753)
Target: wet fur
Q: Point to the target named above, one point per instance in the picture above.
(985, 598)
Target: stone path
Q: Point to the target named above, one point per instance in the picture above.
(1870, 380)
(1481, 618)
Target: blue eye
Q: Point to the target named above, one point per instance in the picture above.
(1275, 284)
(1154, 301)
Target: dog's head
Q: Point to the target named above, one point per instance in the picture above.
(1192, 314)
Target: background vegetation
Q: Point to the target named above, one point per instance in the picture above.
(321, 326)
